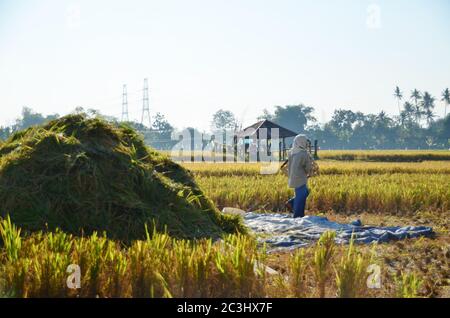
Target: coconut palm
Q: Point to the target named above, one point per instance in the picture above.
(428, 106)
(399, 95)
(416, 96)
(446, 99)
(408, 113)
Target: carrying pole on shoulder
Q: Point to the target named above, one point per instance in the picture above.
(284, 163)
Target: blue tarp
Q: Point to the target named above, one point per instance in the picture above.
(282, 231)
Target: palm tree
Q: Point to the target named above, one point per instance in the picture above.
(383, 120)
(383, 123)
(416, 96)
(428, 106)
(408, 113)
(398, 94)
(446, 99)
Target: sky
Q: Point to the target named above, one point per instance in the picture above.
(203, 55)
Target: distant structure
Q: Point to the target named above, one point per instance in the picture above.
(146, 106)
(124, 104)
(251, 136)
(259, 135)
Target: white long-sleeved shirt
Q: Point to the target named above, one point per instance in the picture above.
(299, 167)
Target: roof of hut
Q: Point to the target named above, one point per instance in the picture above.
(258, 127)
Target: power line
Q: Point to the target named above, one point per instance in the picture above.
(145, 104)
(125, 104)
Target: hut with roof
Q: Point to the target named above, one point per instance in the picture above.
(259, 135)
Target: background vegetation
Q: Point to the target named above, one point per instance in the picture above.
(416, 126)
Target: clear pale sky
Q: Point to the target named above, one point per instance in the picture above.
(202, 55)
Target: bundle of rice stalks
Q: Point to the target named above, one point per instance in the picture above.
(83, 175)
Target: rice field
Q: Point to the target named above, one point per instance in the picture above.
(386, 155)
(341, 187)
(380, 193)
(161, 266)
(339, 155)
(327, 167)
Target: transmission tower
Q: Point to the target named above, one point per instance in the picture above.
(125, 104)
(145, 105)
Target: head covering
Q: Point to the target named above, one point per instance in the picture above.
(300, 143)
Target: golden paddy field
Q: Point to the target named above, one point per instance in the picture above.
(416, 192)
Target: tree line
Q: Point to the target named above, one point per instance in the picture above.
(416, 125)
(159, 134)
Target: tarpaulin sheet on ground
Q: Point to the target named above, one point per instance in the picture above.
(282, 231)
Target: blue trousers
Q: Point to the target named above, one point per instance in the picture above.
(299, 201)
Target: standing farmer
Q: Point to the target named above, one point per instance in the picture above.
(300, 165)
